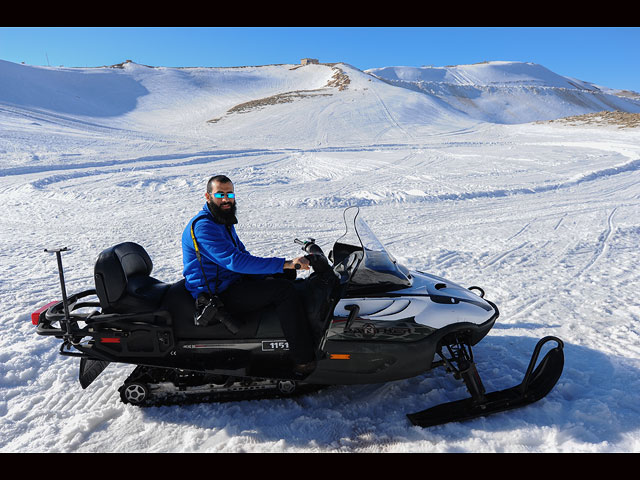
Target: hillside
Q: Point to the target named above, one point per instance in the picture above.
(346, 104)
(509, 92)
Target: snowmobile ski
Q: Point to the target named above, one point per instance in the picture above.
(536, 384)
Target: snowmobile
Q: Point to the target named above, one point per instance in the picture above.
(373, 321)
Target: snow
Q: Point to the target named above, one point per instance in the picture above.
(453, 168)
(508, 92)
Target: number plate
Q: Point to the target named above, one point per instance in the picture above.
(274, 345)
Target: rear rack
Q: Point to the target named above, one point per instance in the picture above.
(64, 313)
(106, 335)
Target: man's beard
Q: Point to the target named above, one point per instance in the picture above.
(224, 216)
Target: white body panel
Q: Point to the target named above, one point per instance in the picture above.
(455, 304)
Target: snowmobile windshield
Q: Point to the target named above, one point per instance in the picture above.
(371, 267)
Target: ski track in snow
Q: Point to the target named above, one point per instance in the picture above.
(545, 219)
(602, 242)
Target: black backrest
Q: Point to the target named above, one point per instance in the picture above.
(116, 267)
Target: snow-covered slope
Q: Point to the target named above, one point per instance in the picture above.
(509, 92)
(229, 104)
(544, 216)
(337, 99)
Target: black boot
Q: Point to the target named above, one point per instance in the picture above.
(210, 310)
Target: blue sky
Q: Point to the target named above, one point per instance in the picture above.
(607, 56)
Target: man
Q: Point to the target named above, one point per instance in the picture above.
(242, 281)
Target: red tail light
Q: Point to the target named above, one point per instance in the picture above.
(109, 340)
(35, 316)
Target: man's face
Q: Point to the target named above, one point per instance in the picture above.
(219, 196)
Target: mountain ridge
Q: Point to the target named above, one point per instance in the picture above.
(318, 103)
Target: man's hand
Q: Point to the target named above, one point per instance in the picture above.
(301, 261)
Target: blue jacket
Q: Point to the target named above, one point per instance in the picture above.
(224, 257)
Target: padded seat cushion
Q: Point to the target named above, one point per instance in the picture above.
(123, 281)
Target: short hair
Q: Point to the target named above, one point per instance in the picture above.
(217, 178)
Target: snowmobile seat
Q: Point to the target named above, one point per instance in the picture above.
(123, 280)
(181, 306)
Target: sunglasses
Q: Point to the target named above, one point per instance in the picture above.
(222, 195)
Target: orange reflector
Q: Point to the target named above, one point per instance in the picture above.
(110, 340)
(340, 356)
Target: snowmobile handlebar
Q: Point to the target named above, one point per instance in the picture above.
(310, 246)
(315, 255)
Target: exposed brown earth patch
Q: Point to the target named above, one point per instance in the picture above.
(621, 119)
(339, 80)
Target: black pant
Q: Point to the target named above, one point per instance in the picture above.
(251, 294)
